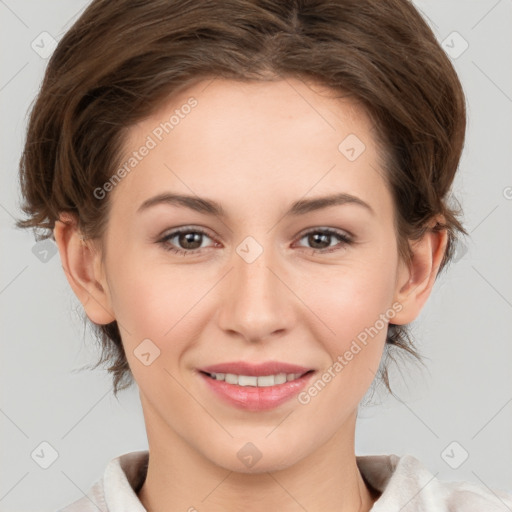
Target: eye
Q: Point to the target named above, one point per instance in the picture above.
(189, 241)
(189, 238)
(321, 239)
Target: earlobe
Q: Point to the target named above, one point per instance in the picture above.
(416, 282)
(81, 264)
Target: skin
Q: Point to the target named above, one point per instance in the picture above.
(255, 148)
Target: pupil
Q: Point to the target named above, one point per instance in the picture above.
(317, 237)
(188, 238)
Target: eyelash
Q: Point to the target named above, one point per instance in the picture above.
(345, 240)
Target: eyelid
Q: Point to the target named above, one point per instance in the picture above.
(184, 229)
(306, 231)
(335, 231)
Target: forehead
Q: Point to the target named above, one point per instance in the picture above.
(253, 137)
(253, 105)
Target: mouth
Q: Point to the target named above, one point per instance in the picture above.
(260, 381)
(255, 387)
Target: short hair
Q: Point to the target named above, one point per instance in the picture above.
(122, 59)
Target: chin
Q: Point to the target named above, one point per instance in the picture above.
(258, 457)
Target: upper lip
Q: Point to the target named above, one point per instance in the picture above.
(255, 370)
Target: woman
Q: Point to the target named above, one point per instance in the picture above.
(250, 201)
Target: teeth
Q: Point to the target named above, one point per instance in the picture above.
(261, 382)
(230, 378)
(244, 380)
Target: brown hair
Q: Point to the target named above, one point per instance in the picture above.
(121, 59)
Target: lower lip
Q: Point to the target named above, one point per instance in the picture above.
(253, 398)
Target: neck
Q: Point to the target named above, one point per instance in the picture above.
(179, 478)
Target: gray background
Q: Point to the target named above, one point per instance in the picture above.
(465, 396)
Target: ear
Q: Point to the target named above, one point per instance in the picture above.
(416, 281)
(81, 262)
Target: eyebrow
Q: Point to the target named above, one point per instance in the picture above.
(210, 207)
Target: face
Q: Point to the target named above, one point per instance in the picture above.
(272, 278)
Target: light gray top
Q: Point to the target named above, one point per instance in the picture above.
(404, 483)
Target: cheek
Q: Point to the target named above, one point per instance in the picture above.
(152, 302)
(352, 299)
(355, 309)
(160, 307)
(355, 304)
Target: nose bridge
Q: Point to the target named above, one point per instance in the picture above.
(255, 302)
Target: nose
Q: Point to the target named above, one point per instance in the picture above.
(256, 302)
